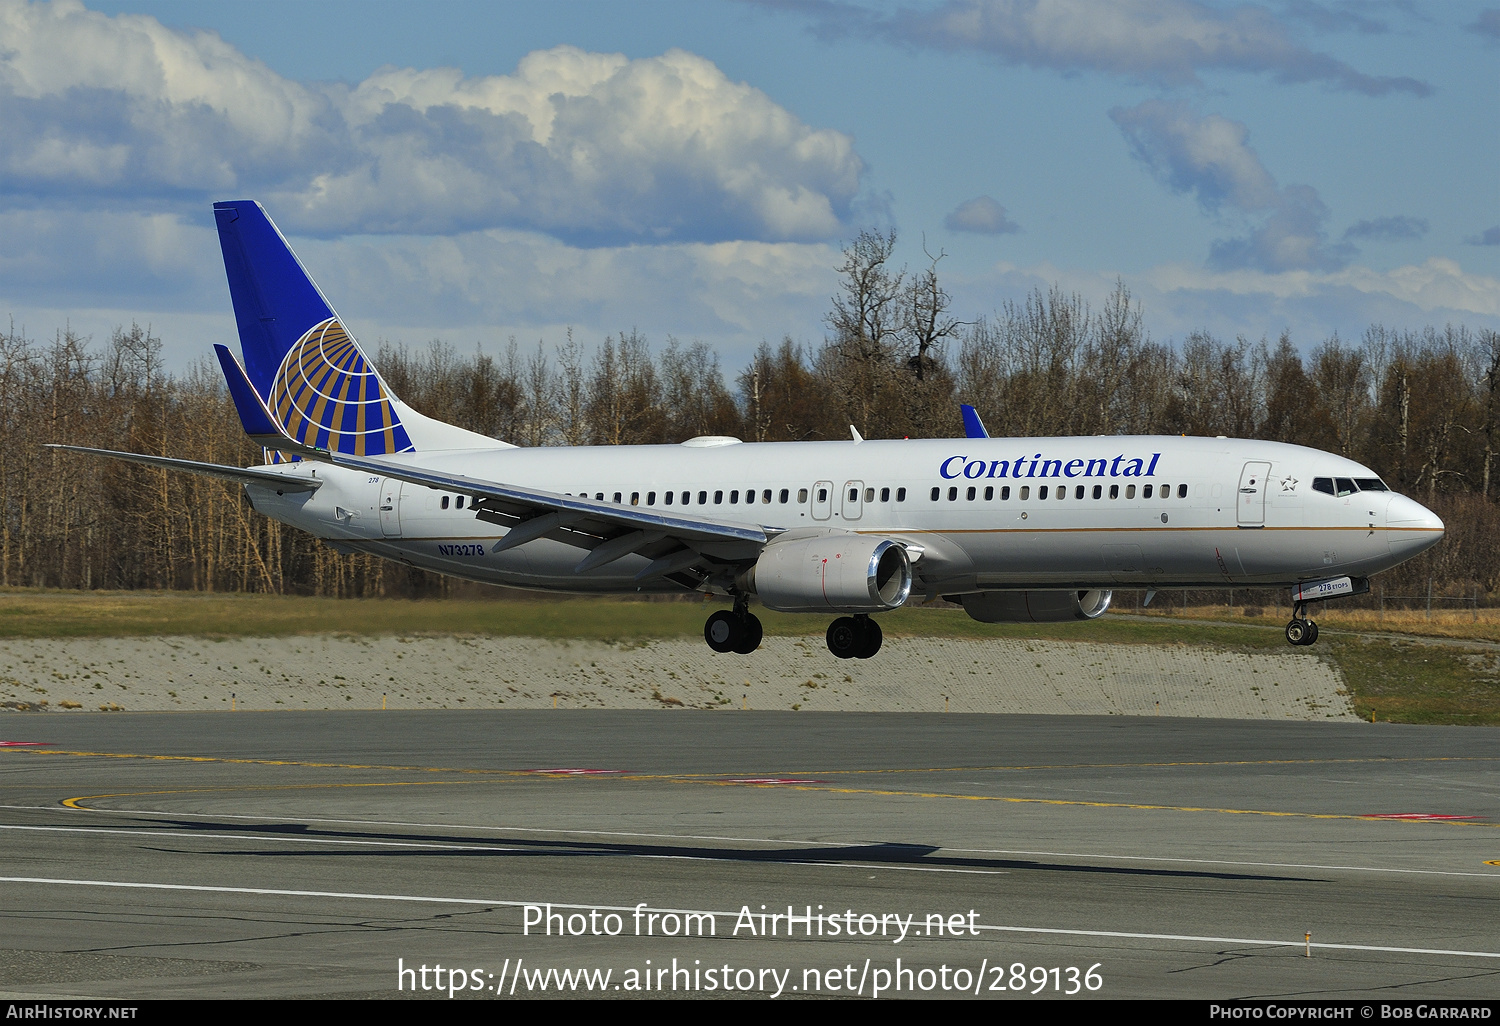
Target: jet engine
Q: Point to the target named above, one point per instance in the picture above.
(846, 573)
(1035, 606)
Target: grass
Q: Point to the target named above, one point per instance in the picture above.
(1403, 680)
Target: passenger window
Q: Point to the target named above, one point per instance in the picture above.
(935, 494)
(1098, 491)
(1182, 491)
(1041, 493)
(900, 494)
(952, 494)
(1078, 492)
(784, 493)
(853, 494)
(666, 500)
(734, 497)
(1145, 491)
(460, 503)
(1062, 491)
(971, 494)
(765, 496)
(718, 498)
(617, 496)
(750, 496)
(1323, 484)
(1114, 491)
(822, 494)
(597, 495)
(1130, 491)
(870, 494)
(1025, 492)
(445, 502)
(703, 498)
(1005, 493)
(989, 493)
(885, 495)
(801, 495)
(651, 498)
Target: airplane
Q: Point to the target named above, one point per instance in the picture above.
(1012, 529)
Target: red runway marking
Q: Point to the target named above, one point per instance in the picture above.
(23, 744)
(772, 780)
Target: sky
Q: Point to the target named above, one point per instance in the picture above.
(478, 172)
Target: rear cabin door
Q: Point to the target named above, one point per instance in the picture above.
(390, 507)
(1252, 495)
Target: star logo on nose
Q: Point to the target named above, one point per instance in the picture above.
(1289, 484)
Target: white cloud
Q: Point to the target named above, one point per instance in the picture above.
(1210, 158)
(595, 148)
(1167, 42)
(982, 214)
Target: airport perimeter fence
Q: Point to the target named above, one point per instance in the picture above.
(1259, 601)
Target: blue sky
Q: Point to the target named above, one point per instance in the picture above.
(480, 170)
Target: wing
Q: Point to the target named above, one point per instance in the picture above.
(244, 475)
(605, 531)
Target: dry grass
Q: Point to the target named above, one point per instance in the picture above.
(1482, 624)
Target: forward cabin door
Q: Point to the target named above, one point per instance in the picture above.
(853, 504)
(390, 507)
(1252, 495)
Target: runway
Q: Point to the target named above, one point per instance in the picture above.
(318, 854)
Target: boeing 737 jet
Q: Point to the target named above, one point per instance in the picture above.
(1013, 529)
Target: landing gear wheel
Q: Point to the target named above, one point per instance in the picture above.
(1312, 633)
(871, 639)
(722, 631)
(844, 637)
(1300, 631)
(750, 634)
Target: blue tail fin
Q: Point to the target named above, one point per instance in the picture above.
(306, 369)
(973, 426)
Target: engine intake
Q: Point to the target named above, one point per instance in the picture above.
(1036, 606)
(845, 573)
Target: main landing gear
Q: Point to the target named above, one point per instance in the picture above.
(736, 631)
(1301, 630)
(854, 637)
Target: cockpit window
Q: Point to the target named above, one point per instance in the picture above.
(1345, 486)
(1371, 484)
(1323, 484)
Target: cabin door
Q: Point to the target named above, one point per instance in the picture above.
(853, 503)
(390, 507)
(822, 500)
(1252, 495)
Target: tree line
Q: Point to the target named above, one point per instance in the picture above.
(1422, 408)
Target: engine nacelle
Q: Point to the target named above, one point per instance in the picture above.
(844, 573)
(1036, 606)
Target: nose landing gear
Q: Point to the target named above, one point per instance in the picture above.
(1301, 631)
(854, 637)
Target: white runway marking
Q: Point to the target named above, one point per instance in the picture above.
(506, 903)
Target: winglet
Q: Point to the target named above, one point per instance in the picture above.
(255, 418)
(973, 426)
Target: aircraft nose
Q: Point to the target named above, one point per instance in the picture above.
(1412, 527)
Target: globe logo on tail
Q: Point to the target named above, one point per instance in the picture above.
(327, 395)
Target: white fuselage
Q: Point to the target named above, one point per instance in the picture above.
(1008, 513)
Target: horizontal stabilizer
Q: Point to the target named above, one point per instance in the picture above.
(242, 475)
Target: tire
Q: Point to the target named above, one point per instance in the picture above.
(870, 642)
(1296, 632)
(750, 634)
(722, 631)
(843, 637)
(1312, 633)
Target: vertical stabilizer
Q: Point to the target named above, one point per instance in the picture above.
(306, 369)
